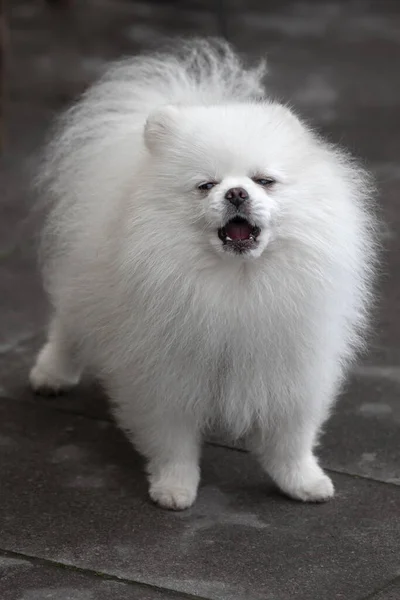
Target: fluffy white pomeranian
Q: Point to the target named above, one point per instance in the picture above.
(209, 259)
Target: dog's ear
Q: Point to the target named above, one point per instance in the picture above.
(159, 127)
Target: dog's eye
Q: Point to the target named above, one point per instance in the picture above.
(264, 181)
(204, 187)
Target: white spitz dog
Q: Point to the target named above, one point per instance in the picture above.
(209, 258)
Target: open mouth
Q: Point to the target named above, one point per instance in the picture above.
(239, 235)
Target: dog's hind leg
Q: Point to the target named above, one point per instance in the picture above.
(56, 369)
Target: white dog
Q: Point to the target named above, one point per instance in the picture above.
(209, 259)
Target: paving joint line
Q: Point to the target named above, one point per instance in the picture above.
(46, 562)
(386, 586)
(329, 469)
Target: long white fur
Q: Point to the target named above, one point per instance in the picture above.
(183, 334)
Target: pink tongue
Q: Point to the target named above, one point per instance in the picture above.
(238, 231)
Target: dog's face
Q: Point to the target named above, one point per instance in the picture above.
(227, 171)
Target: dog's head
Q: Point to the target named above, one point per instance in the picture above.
(226, 173)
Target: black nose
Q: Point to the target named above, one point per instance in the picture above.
(237, 196)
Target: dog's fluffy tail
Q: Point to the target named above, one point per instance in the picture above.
(187, 72)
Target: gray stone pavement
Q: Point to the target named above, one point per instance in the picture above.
(75, 520)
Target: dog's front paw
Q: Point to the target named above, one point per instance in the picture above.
(175, 488)
(173, 497)
(316, 490)
(307, 483)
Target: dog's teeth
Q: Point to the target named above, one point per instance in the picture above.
(228, 238)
